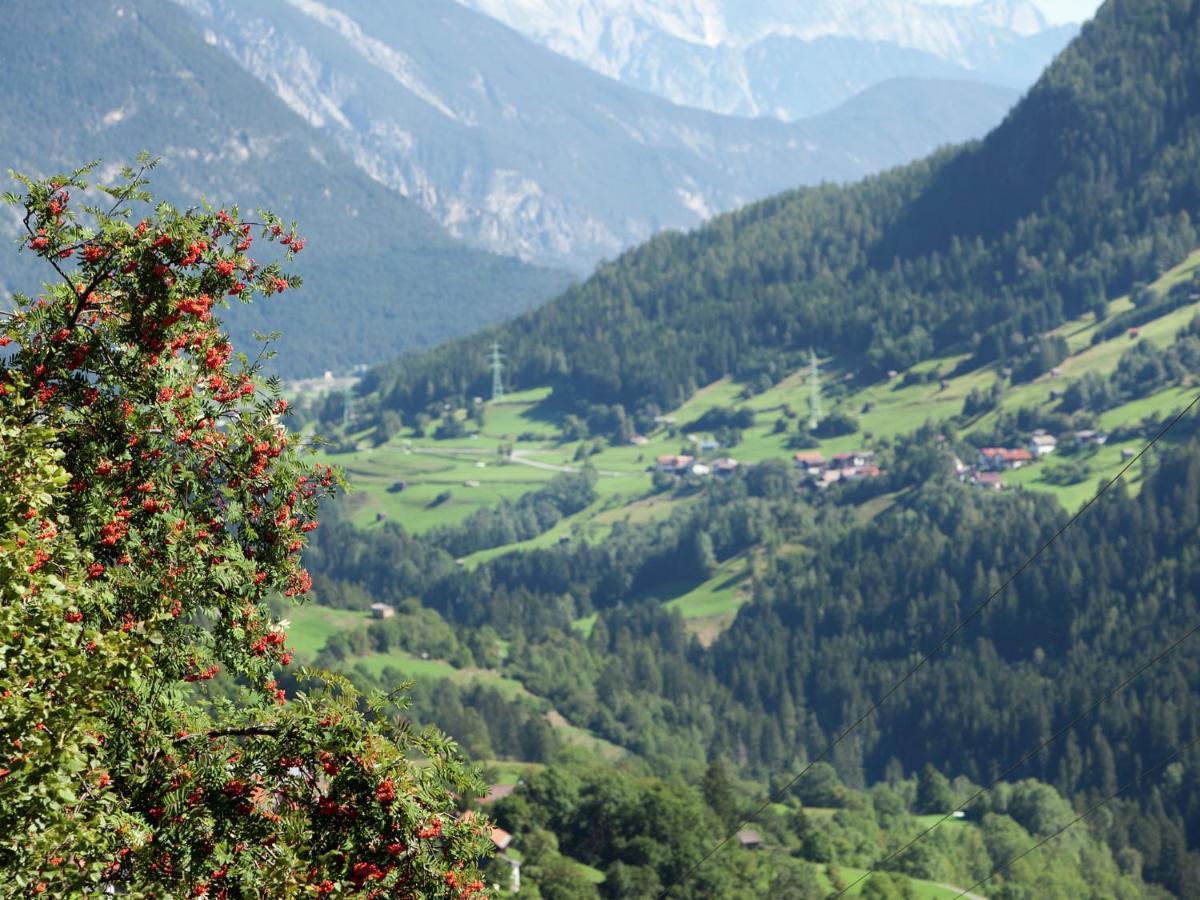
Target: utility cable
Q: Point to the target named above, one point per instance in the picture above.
(1020, 762)
(1079, 818)
(951, 635)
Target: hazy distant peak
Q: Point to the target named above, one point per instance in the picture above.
(1018, 16)
(762, 58)
(582, 28)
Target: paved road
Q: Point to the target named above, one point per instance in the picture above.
(518, 457)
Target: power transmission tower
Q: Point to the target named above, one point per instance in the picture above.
(497, 360)
(814, 397)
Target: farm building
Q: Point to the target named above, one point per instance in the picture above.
(675, 464)
(1042, 444)
(994, 459)
(810, 461)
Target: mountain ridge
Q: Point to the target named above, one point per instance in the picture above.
(526, 153)
(376, 264)
(896, 266)
(775, 59)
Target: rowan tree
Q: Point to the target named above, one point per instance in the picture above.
(151, 502)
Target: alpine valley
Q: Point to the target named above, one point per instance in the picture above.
(750, 559)
(769, 491)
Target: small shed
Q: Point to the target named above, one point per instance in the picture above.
(749, 838)
(382, 611)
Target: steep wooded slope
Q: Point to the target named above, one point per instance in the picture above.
(1089, 185)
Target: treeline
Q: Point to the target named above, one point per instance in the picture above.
(1085, 190)
(645, 834)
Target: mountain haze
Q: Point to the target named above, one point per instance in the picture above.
(787, 60)
(376, 264)
(526, 153)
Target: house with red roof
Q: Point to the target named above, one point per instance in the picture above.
(995, 459)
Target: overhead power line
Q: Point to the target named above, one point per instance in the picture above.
(920, 664)
(1079, 818)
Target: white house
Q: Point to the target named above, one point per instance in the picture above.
(1042, 444)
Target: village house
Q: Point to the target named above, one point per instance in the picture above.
(867, 471)
(496, 793)
(810, 462)
(726, 466)
(1091, 438)
(501, 841)
(701, 470)
(995, 459)
(382, 611)
(675, 464)
(856, 460)
(832, 476)
(1042, 444)
(988, 481)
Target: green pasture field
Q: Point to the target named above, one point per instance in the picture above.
(720, 595)
(507, 771)
(922, 890)
(310, 626)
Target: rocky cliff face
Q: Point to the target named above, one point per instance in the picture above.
(785, 59)
(527, 153)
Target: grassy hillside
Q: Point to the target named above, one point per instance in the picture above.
(530, 423)
(522, 445)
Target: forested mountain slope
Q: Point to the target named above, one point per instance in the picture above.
(840, 610)
(529, 154)
(380, 275)
(1088, 186)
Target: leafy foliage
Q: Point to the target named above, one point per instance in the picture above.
(152, 502)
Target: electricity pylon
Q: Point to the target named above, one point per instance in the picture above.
(497, 360)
